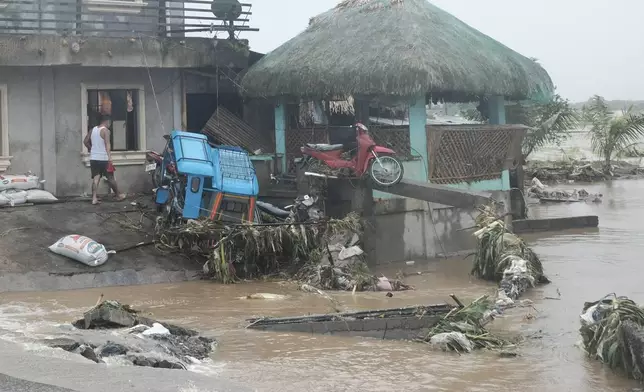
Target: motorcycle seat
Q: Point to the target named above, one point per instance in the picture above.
(325, 147)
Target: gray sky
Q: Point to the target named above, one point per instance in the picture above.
(588, 46)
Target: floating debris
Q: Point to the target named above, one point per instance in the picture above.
(462, 330)
(612, 331)
(502, 256)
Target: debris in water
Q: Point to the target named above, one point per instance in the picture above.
(612, 331)
(462, 329)
(265, 296)
(172, 341)
(502, 256)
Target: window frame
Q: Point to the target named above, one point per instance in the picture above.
(5, 158)
(119, 158)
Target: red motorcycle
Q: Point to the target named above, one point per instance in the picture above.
(379, 162)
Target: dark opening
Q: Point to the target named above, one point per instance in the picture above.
(122, 107)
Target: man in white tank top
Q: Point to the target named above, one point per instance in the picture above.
(97, 142)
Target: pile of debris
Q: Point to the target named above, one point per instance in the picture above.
(580, 171)
(463, 329)
(341, 266)
(324, 253)
(612, 331)
(158, 344)
(504, 257)
(23, 189)
(545, 194)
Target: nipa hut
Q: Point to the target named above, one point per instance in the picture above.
(404, 50)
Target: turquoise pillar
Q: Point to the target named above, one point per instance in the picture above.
(418, 136)
(496, 109)
(280, 133)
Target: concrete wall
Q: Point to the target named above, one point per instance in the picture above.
(45, 122)
(406, 229)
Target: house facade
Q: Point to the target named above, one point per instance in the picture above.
(62, 64)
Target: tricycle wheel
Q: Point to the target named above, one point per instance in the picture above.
(386, 170)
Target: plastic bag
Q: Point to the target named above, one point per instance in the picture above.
(80, 248)
(15, 197)
(40, 196)
(452, 341)
(18, 181)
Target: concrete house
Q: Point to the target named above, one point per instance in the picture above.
(154, 66)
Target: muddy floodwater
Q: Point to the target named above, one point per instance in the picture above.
(583, 266)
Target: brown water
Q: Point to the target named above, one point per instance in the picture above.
(583, 266)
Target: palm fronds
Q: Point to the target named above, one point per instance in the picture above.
(611, 331)
(612, 134)
(462, 329)
(502, 256)
(250, 251)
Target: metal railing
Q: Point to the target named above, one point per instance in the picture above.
(117, 18)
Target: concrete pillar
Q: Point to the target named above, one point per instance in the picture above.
(496, 109)
(418, 135)
(177, 102)
(48, 129)
(280, 132)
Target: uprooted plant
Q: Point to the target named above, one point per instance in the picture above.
(463, 329)
(299, 249)
(611, 330)
(502, 256)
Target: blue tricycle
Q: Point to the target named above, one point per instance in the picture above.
(199, 180)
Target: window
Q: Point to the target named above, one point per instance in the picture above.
(121, 106)
(5, 158)
(125, 106)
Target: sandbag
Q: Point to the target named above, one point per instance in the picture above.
(4, 201)
(80, 248)
(40, 196)
(18, 181)
(15, 197)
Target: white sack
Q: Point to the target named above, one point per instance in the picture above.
(18, 181)
(80, 248)
(40, 196)
(15, 197)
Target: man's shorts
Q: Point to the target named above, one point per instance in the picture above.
(99, 168)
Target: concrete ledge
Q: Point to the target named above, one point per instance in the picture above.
(51, 50)
(554, 224)
(43, 281)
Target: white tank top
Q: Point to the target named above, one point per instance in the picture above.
(98, 151)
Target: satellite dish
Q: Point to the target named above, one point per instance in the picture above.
(226, 9)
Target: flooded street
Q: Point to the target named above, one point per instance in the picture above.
(583, 266)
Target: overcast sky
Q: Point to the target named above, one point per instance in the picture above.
(588, 46)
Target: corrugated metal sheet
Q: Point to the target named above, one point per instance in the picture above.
(227, 128)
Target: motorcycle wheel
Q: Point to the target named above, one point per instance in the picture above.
(386, 170)
(157, 176)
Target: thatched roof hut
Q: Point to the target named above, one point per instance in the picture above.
(378, 48)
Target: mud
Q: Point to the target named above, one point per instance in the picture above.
(27, 264)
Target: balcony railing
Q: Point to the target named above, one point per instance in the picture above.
(118, 18)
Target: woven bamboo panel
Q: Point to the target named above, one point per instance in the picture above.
(394, 137)
(296, 138)
(468, 153)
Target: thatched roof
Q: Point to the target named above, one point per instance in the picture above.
(394, 48)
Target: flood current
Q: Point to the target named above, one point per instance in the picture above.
(583, 266)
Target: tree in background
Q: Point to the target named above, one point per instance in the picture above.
(550, 122)
(612, 134)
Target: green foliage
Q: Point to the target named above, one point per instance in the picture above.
(470, 321)
(604, 339)
(612, 134)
